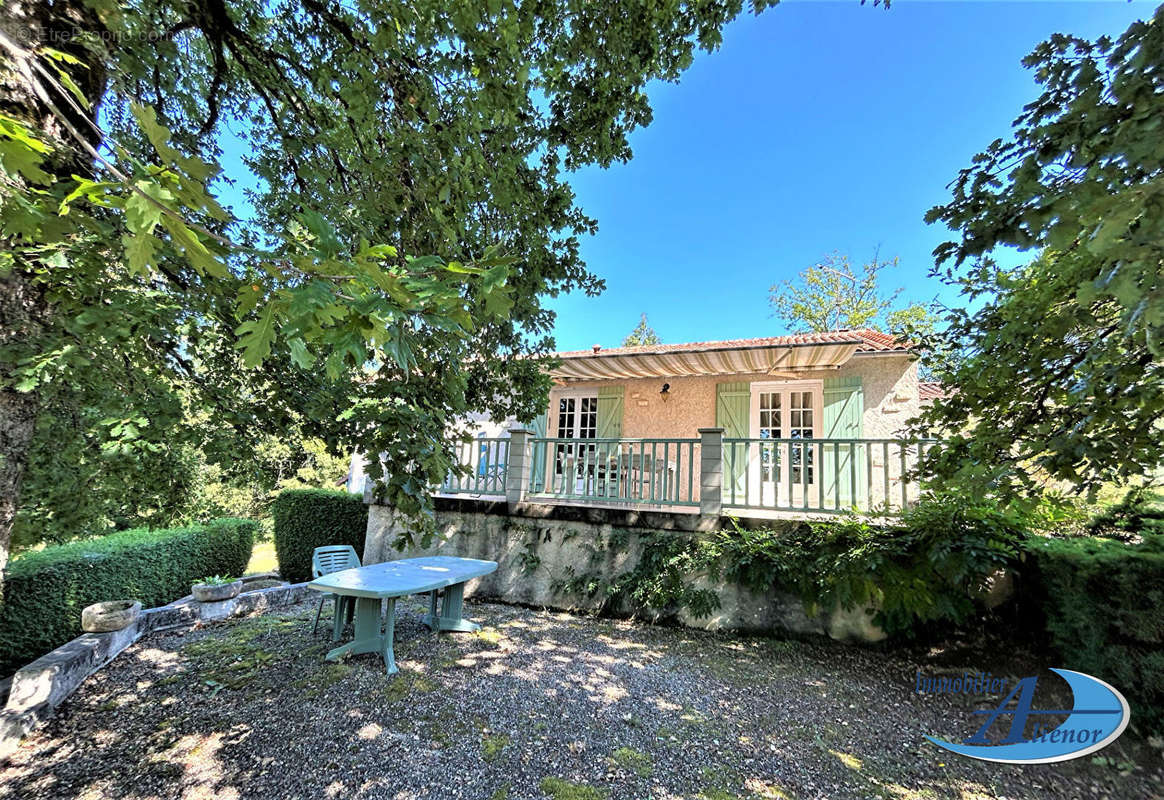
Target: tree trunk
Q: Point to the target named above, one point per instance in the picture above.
(22, 314)
(25, 315)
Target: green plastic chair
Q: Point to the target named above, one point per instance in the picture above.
(325, 560)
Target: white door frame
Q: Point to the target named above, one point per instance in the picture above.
(563, 456)
(773, 493)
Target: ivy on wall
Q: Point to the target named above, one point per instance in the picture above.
(661, 584)
(928, 567)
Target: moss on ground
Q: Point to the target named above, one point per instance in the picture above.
(492, 745)
(490, 636)
(405, 683)
(718, 784)
(558, 789)
(320, 680)
(630, 759)
(715, 793)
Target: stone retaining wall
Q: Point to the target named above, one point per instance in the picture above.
(538, 548)
(37, 689)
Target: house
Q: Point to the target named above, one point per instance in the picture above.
(810, 422)
(840, 384)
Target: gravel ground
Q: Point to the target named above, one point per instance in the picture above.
(536, 705)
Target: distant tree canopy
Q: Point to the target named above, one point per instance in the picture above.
(411, 210)
(643, 334)
(1058, 372)
(833, 294)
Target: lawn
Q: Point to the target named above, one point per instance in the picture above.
(536, 705)
(262, 558)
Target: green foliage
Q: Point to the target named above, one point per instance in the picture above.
(46, 590)
(659, 585)
(642, 335)
(1058, 368)
(925, 568)
(660, 579)
(1137, 514)
(247, 487)
(216, 580)
(309, 518)
(80, 484)
(832, 295)
(77, 488)
(1102, 599)
(412, 213)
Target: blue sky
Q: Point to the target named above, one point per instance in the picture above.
(818, 126)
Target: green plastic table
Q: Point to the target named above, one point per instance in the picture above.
(371, 585)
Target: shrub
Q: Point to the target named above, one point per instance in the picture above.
(309, 518)
(45, 591)
(1102, 601)
(1138, 513)
(925, 568)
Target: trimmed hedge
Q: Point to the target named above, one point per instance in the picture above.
(309, 518)
(1102, 601)
(45, 591)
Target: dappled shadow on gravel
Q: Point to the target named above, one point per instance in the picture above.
(600, 708)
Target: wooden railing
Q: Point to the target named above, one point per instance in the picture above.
(653, 472)
(822, 475)
(876, 476)
(487, 464)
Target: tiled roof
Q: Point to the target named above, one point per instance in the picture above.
(866, 339)
(930, 390)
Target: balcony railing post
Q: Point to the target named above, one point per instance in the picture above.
(517, 475)
(710, 472)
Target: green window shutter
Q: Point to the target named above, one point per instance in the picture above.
(610, 411)
(537, 466)
(844, 408)
(844, 418)
(733, 411)
(733, 406)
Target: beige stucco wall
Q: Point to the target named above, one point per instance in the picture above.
(890, 384)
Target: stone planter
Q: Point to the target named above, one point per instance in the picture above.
(110, 616)
(215, 592)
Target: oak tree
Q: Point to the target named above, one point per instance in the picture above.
(1057, 372)
(406, 166)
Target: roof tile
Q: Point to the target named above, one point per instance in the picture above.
(866, 339)
(930, 390)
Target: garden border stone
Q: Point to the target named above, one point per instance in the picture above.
(38, 688)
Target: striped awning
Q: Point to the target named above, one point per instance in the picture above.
(778, 361)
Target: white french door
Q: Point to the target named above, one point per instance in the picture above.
(784, 412)
(577, 419)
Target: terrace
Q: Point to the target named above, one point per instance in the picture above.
(708, 475)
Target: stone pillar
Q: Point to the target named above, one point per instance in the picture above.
(710, 472)
(517, 472)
